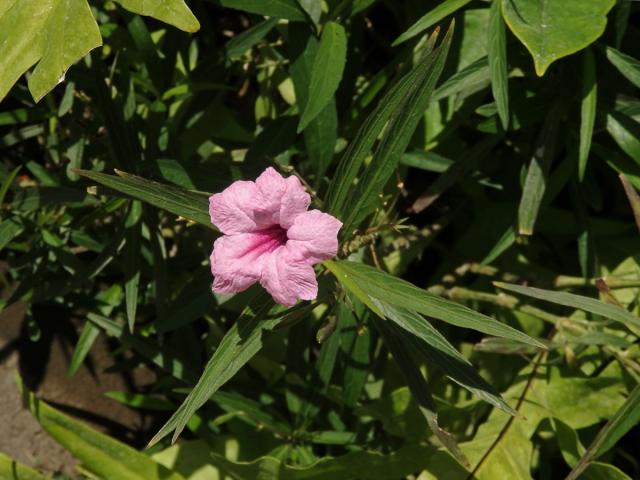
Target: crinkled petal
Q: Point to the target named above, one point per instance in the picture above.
(295, 201)
(234, 209)
(237, 260)
(288, 280)
(313, 237)
(283, 198)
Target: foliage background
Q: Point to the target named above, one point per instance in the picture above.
(499, 163)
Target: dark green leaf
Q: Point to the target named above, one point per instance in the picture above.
(326, 72)
(288, 9)
(190, 205)
(497, 50)
(626, 65)
(588, 110)
(371, 286)
(432, 17)
(247, 39)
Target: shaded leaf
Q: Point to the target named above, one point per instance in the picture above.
(587, 110)
(432, 17)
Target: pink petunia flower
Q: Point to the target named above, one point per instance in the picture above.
(270, 237)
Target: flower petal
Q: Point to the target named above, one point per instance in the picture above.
(284, 198)
(288, 280)
(313, 237)
(233, 210)
(237, 260)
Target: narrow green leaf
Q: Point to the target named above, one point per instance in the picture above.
(396, 343)
(133, 226)
(12, 470)
(432, 17)
(477, 73)
(326, 72)
(242, 42)
(365, 197)
(626, 133)
(173, 12)
(371, 285)
(100, 454)
(587, 110)
(87, 338)
(355, 344)
(368, 133)
(288, 9)
(626, 65)
(536, 181)
(587, 304)
(497, 50)
(190, 205)
(239, 345)
(626, 418)
(4, 188)
(634, 198)
(435, 349)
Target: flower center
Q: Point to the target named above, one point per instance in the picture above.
(267, 240)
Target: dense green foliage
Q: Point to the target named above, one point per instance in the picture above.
(472, 150)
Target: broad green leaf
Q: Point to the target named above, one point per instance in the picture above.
(402, 124)
(326, 72)
(368, 133)
(12, 470)
(626, 65)
(626, 418)
(497, 50)
(371, 285)
(580, 302)
(552, 29)
(239, 345)
(288, 9)
(100, 454)
(247, 39)
(537, 175)
(190, 205)
(436, 350)
(173, 12)
(37, 31)
(432, 17)
(587, 110)
(396, 342)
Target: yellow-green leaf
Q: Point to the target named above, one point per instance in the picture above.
(552, 29)
(173, 12)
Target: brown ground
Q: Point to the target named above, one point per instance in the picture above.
(43, 366)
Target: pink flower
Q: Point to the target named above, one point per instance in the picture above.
(270, 237)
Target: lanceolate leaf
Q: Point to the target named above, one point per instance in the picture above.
(398, 133)
(536, 182)
(13, 470)
(132, 227)
(580, 302)
(497, 50)
(431, 18)
(190, 205)
(100, 454)
(476, 73)
(588, 110)
(626, 65)
(239, 345)
(371, 285)
(552, 29)
(173, 12)
(435, 349)
(326, 72)
(247, 39)
(368, 133)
